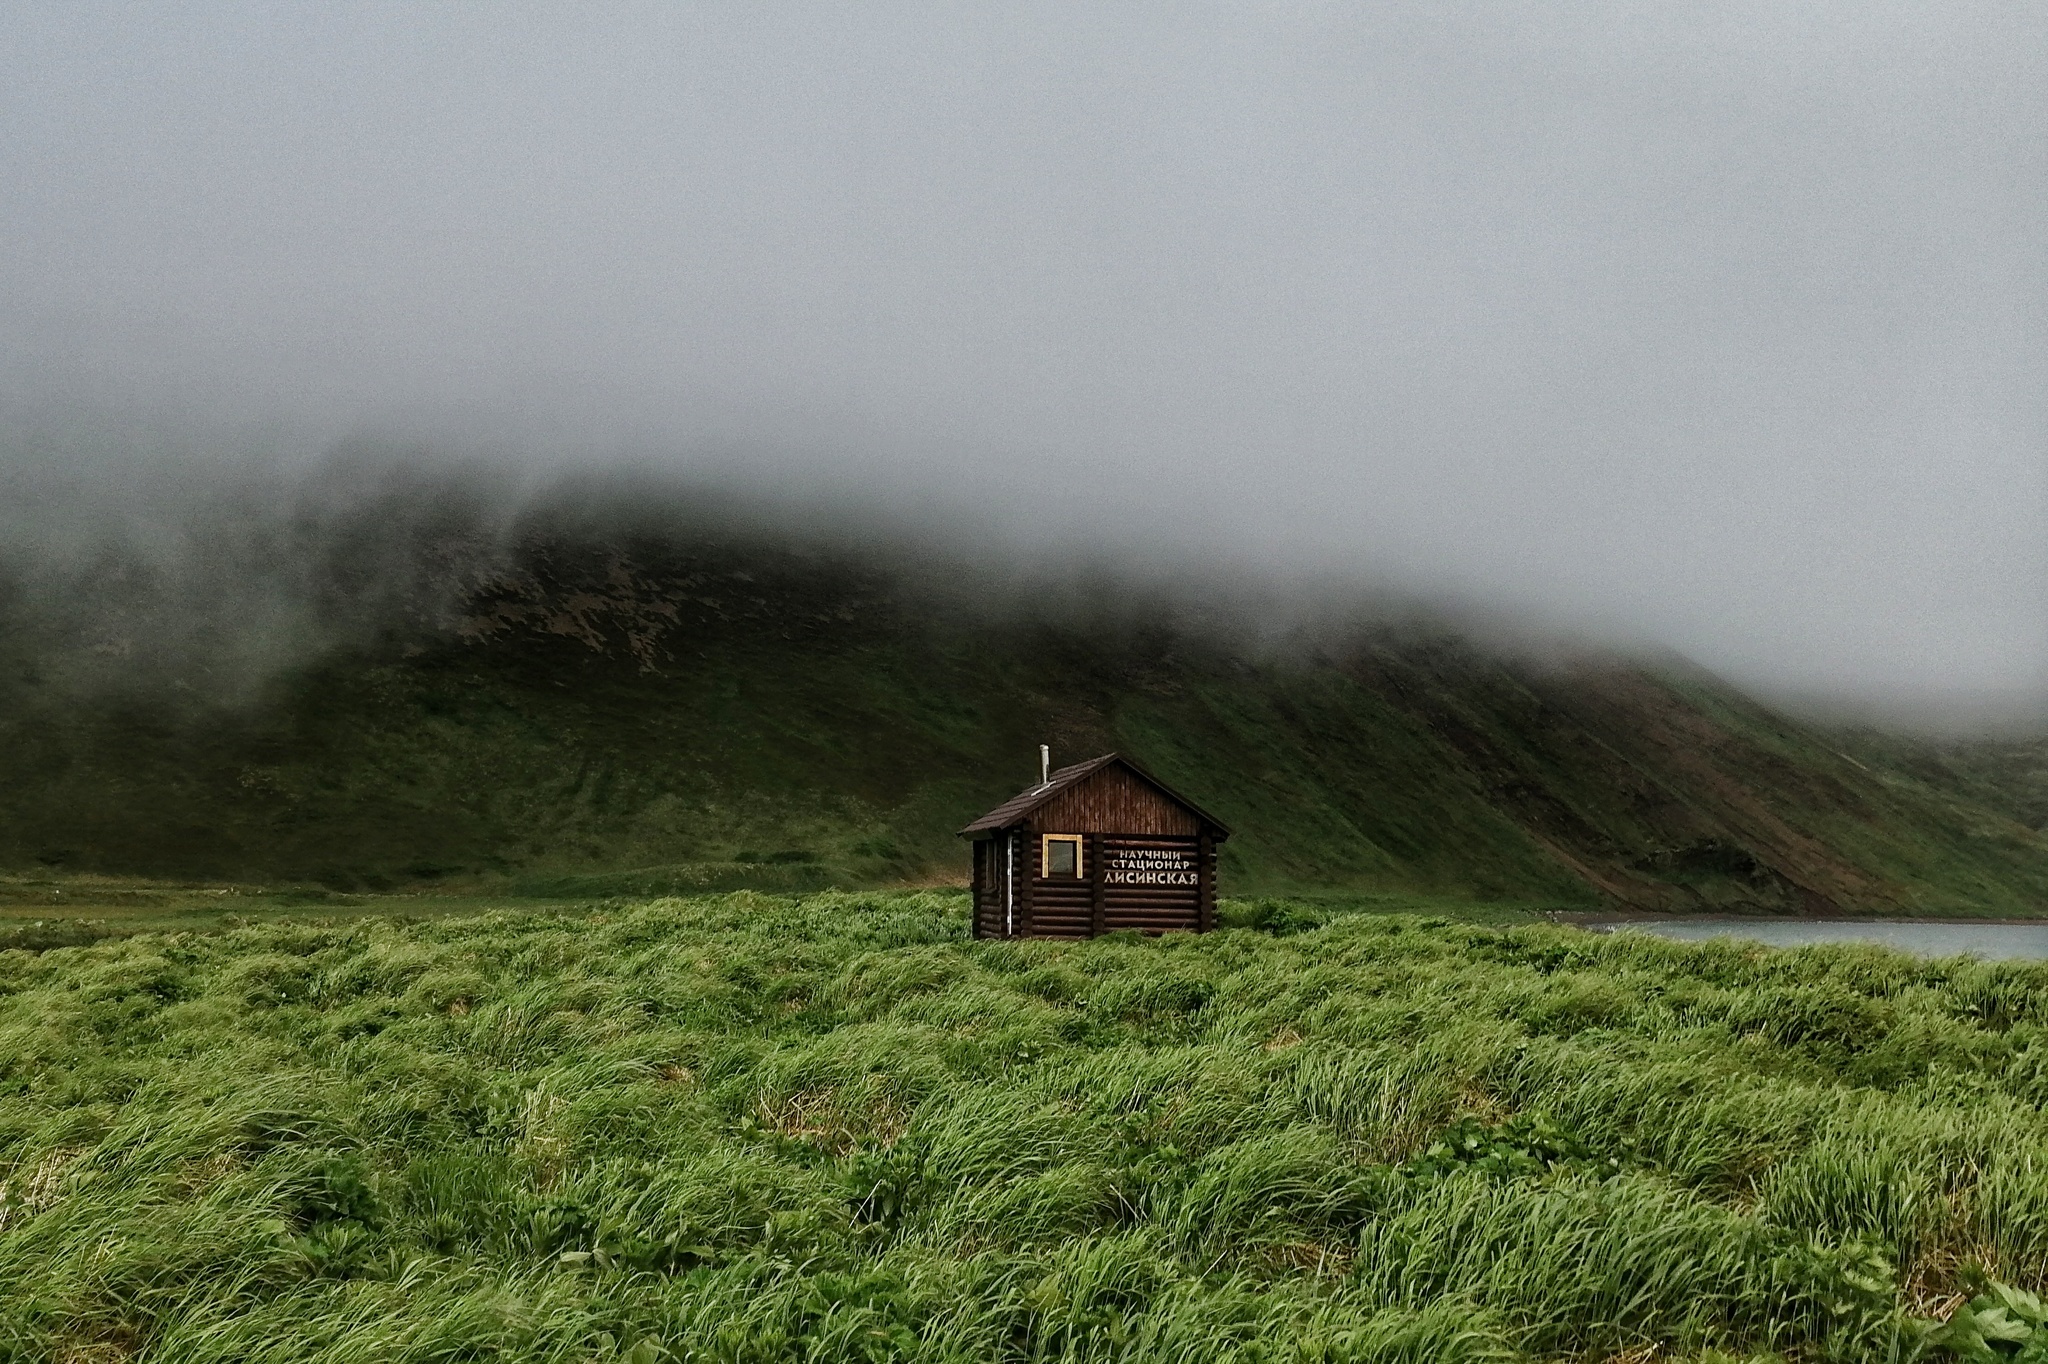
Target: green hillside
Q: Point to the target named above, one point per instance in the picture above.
(690, 711)
(2008, 773)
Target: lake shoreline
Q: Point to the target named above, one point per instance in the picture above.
(1985, 939)
(1577, 918)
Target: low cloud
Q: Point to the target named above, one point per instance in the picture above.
(1718, 328)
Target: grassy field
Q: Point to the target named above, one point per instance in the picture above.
(39, 912)
(829, 1127)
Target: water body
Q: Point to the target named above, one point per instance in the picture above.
(1990, 940)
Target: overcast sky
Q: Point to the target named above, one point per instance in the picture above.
(1725, 323)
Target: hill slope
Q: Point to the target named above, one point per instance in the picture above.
(644, 714)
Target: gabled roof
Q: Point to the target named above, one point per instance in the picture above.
(1018, 807)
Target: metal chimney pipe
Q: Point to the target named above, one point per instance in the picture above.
(1045, 764)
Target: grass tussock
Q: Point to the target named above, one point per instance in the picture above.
(760, 1128)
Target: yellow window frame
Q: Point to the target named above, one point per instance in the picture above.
(1045, 855)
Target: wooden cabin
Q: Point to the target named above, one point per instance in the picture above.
(1098, 846)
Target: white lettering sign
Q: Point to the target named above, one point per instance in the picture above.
(1148, 867)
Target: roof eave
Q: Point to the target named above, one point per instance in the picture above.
(1070, 777)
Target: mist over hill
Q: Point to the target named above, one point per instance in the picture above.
(401, 674)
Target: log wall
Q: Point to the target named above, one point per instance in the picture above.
(992, 870)
(1149, 882)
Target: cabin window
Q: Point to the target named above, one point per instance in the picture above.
(1062, 855)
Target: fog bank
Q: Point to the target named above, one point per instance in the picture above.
(1720, 328)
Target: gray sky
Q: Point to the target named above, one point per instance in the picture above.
(1723, 324)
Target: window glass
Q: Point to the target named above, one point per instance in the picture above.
(1062, 857)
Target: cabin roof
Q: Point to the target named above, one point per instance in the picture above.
(1019, 807)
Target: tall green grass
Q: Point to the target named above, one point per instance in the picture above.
(755, 1128)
